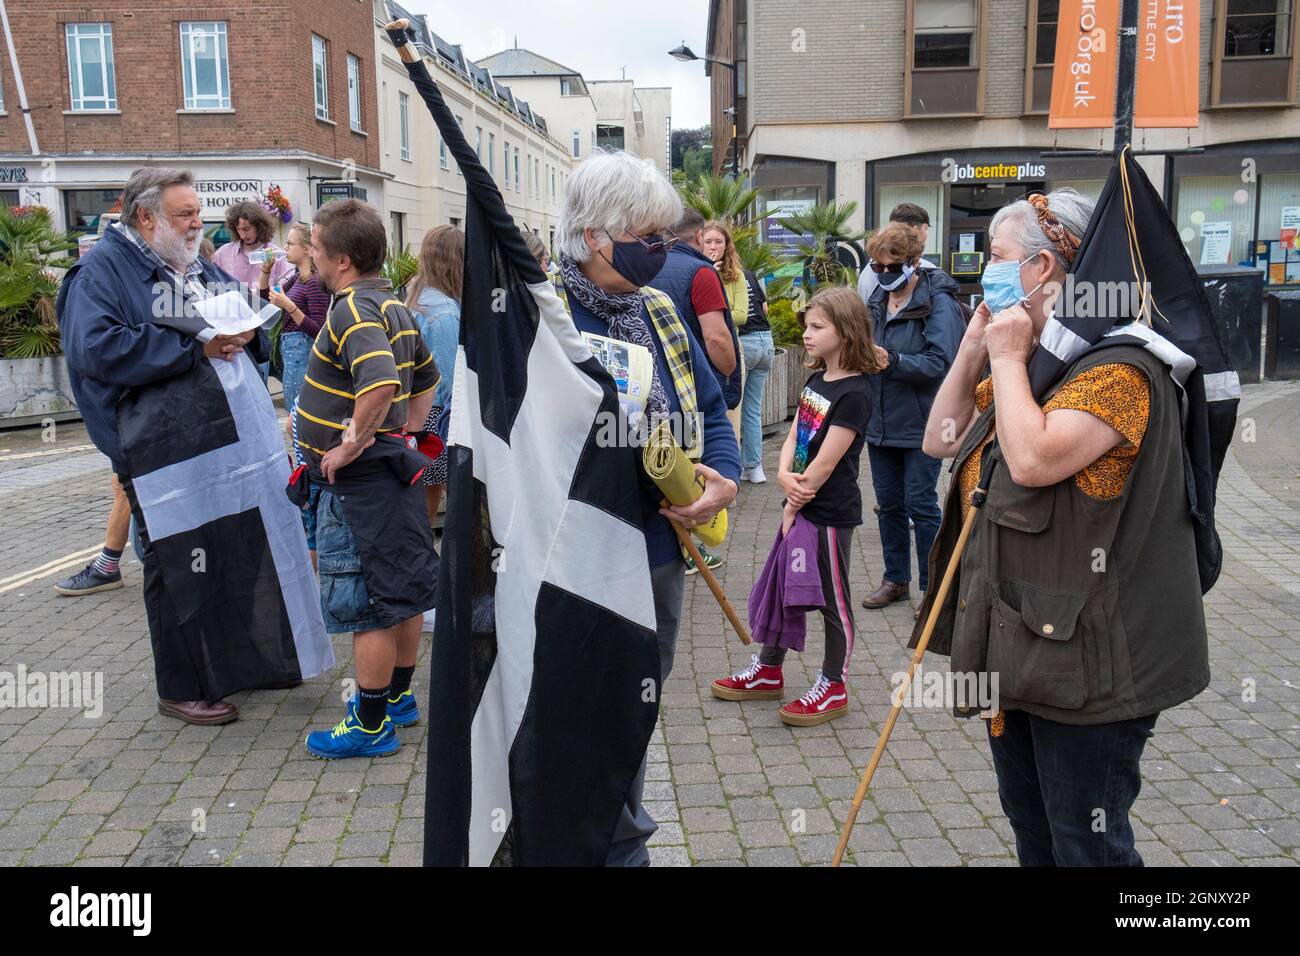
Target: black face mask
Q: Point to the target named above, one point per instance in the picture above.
(637, 264)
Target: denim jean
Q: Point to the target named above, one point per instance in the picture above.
(295, 349)
(758, 351)
(1067, 790)
(905, 480)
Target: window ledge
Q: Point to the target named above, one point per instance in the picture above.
(327, 122)
(1271, 105)
(942, 116)
(359, 132)
(200, 112)
(92, 112)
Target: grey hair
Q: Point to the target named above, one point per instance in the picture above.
(611, 192)
(1070, 207)
(144, 190)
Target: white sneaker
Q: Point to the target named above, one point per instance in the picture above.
(753, 475)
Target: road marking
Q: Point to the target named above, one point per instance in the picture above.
(45, 570)
(51, 451)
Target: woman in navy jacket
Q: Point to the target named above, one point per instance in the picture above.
(918, 326)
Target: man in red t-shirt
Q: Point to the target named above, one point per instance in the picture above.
(691, 281)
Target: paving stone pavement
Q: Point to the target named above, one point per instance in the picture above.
(728, 783)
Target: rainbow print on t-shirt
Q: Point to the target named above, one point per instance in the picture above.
(812, 412)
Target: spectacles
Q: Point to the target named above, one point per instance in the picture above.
(656, 245)
(879, 267)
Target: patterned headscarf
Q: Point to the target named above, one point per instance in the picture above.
(1066, 243)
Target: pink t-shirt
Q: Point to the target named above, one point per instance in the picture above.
(232, 259)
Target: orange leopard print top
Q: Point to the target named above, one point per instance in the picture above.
(1116, 393)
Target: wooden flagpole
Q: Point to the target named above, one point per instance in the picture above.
(977, 499)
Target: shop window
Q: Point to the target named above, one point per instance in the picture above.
(83, 207)
(1277, 192)
(205, 66)
(1043, 17)
(929, 198)
(1209, 205)
(8, 197)
(779, 203)
(1254, 53)
(944, 76)
(91, 77)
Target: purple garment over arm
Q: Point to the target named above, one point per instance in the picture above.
(788, 587)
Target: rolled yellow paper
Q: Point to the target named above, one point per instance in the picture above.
(674, 474)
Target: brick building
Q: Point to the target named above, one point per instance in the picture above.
(244, 95)
(944, 103)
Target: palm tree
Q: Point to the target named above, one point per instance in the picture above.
(725, 199)
(732, 202)
(30, 246)
(823, 225)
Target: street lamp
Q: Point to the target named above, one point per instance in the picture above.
(685, 54)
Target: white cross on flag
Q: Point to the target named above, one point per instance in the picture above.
(238, 603)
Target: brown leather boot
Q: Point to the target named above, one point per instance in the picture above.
(199, 711)
(886, 594)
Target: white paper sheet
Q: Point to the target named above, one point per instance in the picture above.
(230, 313)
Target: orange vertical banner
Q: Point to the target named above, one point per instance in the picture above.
(1168, 64)
(1083, 75)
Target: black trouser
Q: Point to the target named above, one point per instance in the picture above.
(1067, 790)
(833, 565)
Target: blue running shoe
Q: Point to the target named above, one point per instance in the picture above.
(350, 739)
(403, 711)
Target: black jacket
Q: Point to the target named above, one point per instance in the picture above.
(922, 341)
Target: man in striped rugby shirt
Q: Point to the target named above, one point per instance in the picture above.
(370, 378)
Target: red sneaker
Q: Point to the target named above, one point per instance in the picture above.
(755, 682)
(826, 701)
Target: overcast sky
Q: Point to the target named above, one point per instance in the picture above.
(597, 38)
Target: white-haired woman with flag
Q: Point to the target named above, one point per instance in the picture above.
(1077, 594)
(612, 241)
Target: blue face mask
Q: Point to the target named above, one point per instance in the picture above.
(1002, 286)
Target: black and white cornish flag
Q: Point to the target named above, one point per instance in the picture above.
(208, 469)
(544, 686)
(1131, 240)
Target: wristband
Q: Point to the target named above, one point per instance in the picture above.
(400, 37)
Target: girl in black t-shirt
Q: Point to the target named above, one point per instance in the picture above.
(819, 474)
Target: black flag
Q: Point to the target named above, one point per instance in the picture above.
(544, 688)
(1133, 283)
